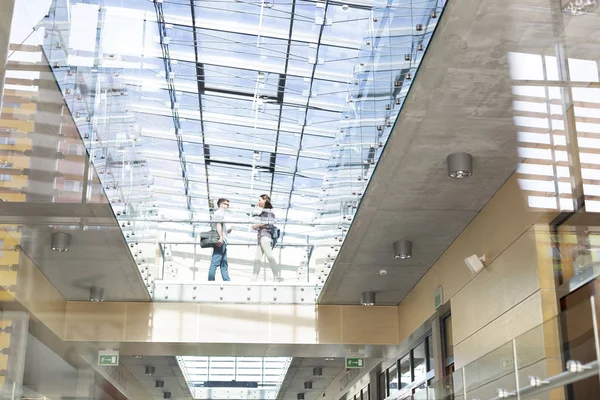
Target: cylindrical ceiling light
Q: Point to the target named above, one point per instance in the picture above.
(460, 165)
(160, 384)
(317, 372)
(402, 249)
(300, 396)
(367, 298)
(150, 370)
(96, 294)
(60, 241)
(307, 385)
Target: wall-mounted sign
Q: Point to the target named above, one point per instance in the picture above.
(108, 358)
(355, 362)
(438, 299)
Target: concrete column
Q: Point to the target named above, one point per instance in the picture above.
(6, 14)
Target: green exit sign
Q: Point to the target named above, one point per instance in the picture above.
(108, 358)
(355, 362)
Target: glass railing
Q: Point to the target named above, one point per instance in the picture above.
(176, 267)
(563, 351)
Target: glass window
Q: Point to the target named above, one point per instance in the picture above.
(420, 393)
(448, 343)
(419, 362)
(393, 379)
(365, 393)
(405, 375)
(429, 353)
(382, 387)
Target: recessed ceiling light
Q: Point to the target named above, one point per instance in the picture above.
(329, 358)
(383, 272)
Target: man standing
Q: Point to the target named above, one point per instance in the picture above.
(219, 256)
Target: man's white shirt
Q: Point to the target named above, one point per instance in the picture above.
(219, 216)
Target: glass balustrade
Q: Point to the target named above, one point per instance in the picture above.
(560, 354)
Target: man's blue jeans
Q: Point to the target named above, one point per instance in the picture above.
(219, 260)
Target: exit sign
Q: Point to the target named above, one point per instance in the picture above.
(355, 362)
(108, 358)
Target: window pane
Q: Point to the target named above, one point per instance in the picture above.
(393, 379)
(381, 390)
(419, 367)
(420, 393)
(405, 376)
(365, 393)
(448, 343)
(429, 353)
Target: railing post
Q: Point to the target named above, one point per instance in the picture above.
(596, 334)
(516, 365)
(464, 379)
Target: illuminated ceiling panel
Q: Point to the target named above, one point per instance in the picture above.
(234, 377)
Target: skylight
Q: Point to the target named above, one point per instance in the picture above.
(234, 377)
(220, 98)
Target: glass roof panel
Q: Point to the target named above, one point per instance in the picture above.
(219, 98)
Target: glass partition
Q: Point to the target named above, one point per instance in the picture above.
(540, 362)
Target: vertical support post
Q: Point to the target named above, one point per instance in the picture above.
(464, 379)
(596, 334)
(568, 106)
(516, 365)
(6, 14)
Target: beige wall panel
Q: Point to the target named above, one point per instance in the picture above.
(230, 323)
(179, 322)
(508, 280)
(40, 297)
(329, 324)
(492, 231)
(137, 326)
(358, 323)
(520, 319)
(87, 321)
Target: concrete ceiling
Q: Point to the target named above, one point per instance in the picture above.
(301, 370)
(461, 100)
(167, 370)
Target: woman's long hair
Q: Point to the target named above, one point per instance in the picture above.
(267, 200)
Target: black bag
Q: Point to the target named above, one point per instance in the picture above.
(209, 239)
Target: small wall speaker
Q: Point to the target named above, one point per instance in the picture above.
(474, 263)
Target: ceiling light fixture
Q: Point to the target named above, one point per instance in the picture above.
(367, 298)
(460, 165)
(300, 396)
(317, 372)
(329, 358)
(580, 7)
(60, 241)
(150, 370)
(96, 294)
(307, 385)
(402, 249)
(159, 384)
(383, 272)
(166, 395)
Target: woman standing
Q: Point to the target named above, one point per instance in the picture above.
(265, 238)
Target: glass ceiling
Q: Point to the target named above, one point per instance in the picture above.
(183, 102)
(234, 377)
